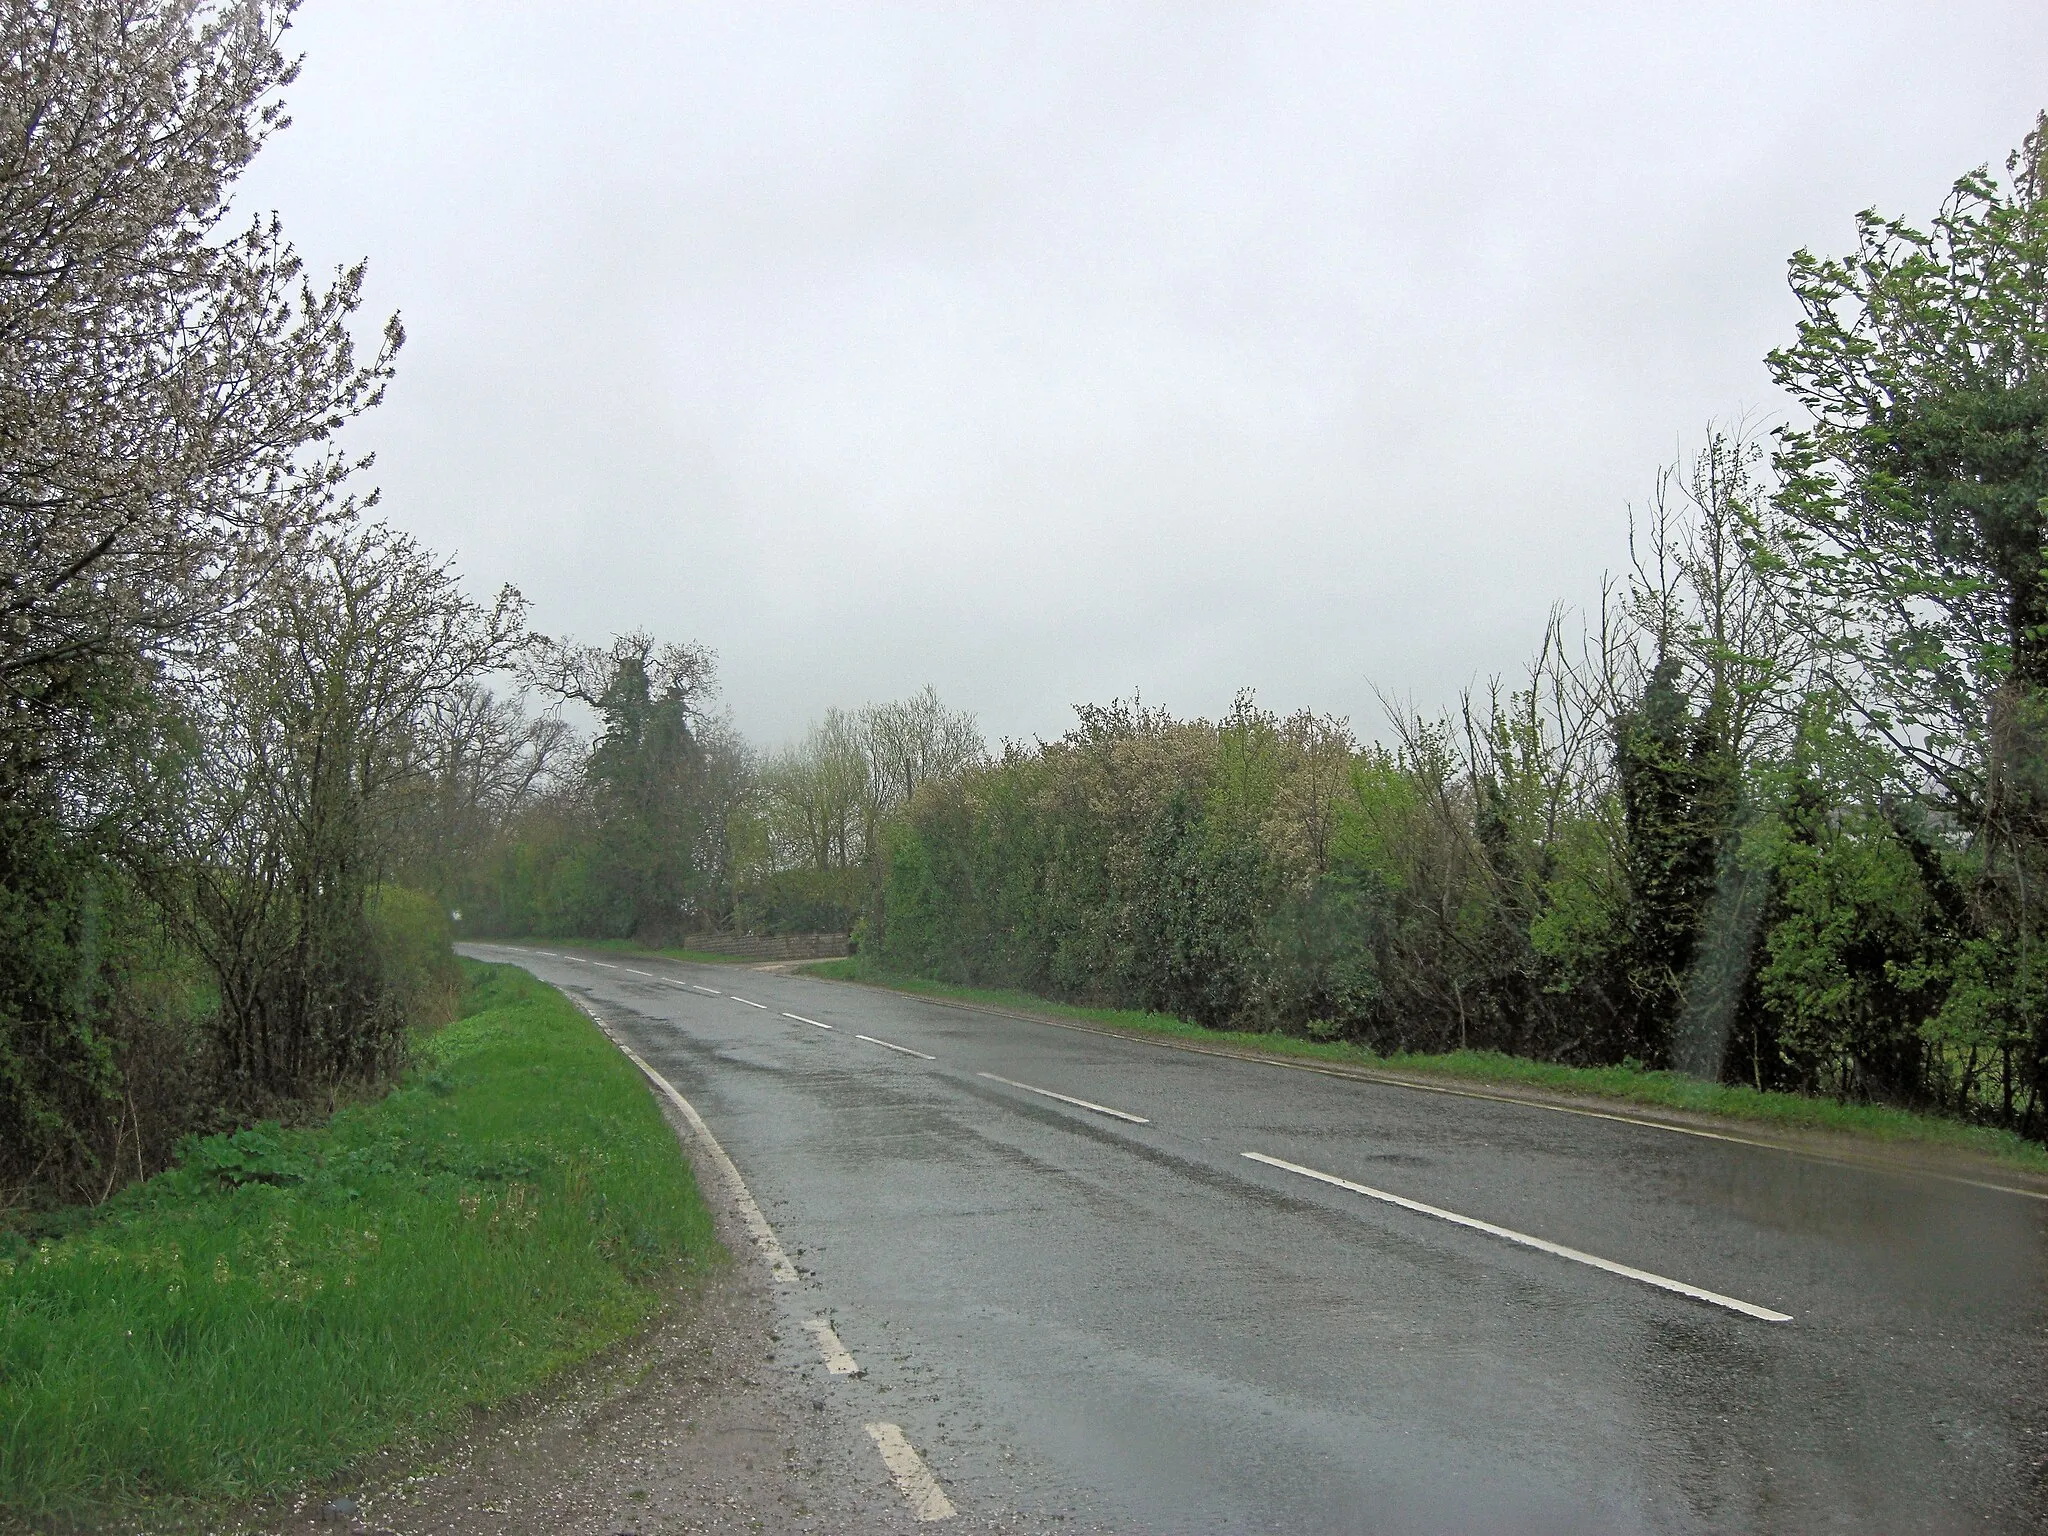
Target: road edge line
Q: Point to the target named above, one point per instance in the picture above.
(750, 1211)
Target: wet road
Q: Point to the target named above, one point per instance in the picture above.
(1128, 1323)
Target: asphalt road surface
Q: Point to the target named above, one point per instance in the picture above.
(1083, 1302)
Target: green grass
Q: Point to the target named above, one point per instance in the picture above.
(1666, 1090)
(285, 1301)
(629, 947)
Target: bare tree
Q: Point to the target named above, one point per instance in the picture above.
(280, 822)
(816, 794)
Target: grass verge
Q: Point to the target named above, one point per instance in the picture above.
(284, 1301)
(1631, 1085)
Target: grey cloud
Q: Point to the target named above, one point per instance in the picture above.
(1046, 353)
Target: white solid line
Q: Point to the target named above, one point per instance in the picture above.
(1746, 1308)
(914, 1479)
(1100, 1109)
(891, 1045)
(750, 1213)
(837, 1360)
(802, 1020)
(749, 1002)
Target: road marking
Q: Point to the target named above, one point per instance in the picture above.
(631, 972)
(914, 1479)
(837, 1360)
(1100, 1109)
(603, 965)
(1393, 1080)
(891, 1045)
(547, 954)
(681, 986)
(707, 991)
(750, 1213)
(802, 1020)
(749, 1002)
(1746, 1308)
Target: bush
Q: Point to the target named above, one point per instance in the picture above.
(415, 954)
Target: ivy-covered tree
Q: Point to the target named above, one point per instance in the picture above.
(1678, 781)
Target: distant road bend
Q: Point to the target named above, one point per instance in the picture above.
(1097, 1282)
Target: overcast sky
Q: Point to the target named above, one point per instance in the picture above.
(1051, 352)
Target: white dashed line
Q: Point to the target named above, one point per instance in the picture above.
(631, 972)
(750, 1213)
(837, 1360)
(802, 1020)
(749, 1002)
(707, 991)
(604, 965)
(891, 1045)
(1100, 1109)
(1746, 1308)
(914, 1479)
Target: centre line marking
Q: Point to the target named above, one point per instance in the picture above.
(837, 1360)
(1662, 1282)
(603, 965)
(913, 1478)
(631, 972)
(707, 991)
(802, 1020)
(891, 1045)
(749, 1002)
(1100, 1109)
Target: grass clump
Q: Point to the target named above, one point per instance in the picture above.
(284, 1301)
(1626, 1084)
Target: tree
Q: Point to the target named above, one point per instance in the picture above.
(1911, 533)
(908, 743)
(648, 775)
(817, 792)
(280, 822)
(169, 389)
(483, 760)
(1911, 530)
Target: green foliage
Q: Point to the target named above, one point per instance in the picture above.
(414, 946)
(1195, 908)
(826, 900)
(1910, 527)
(1624, 1083)
(1678, 781)
(55, 1065)
(284, 1301)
